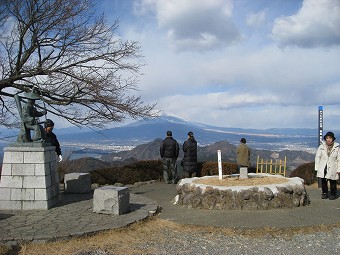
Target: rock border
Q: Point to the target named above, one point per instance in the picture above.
(262, 197)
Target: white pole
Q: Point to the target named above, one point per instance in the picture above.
(219, 164)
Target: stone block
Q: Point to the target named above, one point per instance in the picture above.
(51, 156)
(5, 194)
(6, 169)
(10, 205)
(53, 191)
(111, 200)
(37, 182)
(34, 157)
(36, 205)
(42, 169)
(23, 169)
(243, 172)
(53, 167)
(22, 194)
(54, 178)
(13, 157)
(11, 181)
(41, 194)
(77, 183)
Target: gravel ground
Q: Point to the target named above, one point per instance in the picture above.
(198, 242)
(318, 243)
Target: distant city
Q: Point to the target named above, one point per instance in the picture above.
(77, 143)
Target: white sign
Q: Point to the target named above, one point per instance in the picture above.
(219, 164)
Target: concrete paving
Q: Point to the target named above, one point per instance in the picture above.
(74, 216)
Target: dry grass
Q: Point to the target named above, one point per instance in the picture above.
(120, 241)
(215, 181)
(148, 234)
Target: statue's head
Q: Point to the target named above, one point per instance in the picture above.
(31, 95)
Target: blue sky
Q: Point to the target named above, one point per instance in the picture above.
(237, 63)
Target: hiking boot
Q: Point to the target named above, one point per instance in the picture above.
(332, 197)
(324, 196)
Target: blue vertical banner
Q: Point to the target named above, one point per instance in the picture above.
(320, 135)
(320, 124)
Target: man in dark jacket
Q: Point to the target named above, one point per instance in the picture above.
(169, 153)
(52, 138)
(190, 156)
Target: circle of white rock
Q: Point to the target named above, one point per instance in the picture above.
(289, 194)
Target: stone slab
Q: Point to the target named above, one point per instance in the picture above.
(243, 172)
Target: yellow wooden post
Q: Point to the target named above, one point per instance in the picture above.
(280, 166)
(285, 167)
(271, 166)
(277, 165)
(257, 164)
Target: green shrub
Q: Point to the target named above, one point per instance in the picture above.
(129, 174)
(306, 172)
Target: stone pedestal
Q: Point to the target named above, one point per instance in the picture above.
(111, 200)
(243, 172)
(29, 179)
(283, 192)
(77, 183)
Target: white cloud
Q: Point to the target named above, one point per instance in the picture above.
(252, 83)
(256, 19)
(256, 85)
(316, 24)
(248, 111)
(273, 70)
(194, 25)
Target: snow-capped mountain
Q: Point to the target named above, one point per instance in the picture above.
(145, 131)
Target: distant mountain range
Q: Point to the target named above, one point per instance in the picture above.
(141, 132)
(148, 134)
(144, 131)
(150, 151)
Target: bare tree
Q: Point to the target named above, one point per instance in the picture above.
(82, 70)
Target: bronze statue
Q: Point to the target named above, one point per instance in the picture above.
(30, 119)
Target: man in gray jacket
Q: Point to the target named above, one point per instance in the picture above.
(169, 153)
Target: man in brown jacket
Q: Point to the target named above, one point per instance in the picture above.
(243, 154)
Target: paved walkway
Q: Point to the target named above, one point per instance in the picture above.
(74, 216)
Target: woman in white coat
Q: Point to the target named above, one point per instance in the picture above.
(327, 165)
